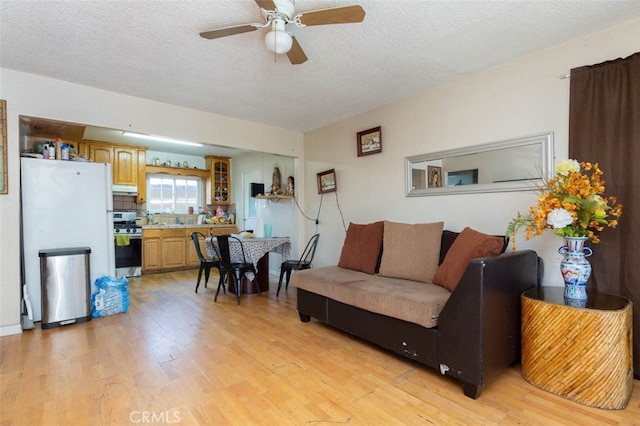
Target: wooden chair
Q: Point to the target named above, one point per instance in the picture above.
(205, 263)
(234, 270)
(303, 263)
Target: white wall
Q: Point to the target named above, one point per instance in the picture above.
(282, 214)
(521, 98)
(31, 95)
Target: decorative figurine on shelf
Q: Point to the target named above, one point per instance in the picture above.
(290, 185)
(276, 182)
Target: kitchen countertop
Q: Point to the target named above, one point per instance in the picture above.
(188, 225)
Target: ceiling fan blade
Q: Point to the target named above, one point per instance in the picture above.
(266, 4)
(223, 32)
(296, 54)
(338, 15)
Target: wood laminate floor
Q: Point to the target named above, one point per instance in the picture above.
(177, 357)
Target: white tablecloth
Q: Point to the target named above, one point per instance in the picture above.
(254, 249)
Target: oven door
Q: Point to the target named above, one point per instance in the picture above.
(129, 257)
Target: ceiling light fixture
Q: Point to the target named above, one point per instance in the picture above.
(277, 40)
(160, 139)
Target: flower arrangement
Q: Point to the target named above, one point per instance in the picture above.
(571, 203)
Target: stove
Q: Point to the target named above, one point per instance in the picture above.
(130, 229)
(128, 244)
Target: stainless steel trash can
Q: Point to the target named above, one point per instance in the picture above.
(66, 286)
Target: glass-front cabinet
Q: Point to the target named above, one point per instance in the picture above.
(218, 188)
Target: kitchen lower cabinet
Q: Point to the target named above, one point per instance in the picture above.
(171, 248)
(151, 250)
(174, 249)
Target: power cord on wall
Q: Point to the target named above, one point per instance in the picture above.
(340, 210)
(316, 220)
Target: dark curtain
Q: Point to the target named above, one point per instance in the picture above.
(604, 128)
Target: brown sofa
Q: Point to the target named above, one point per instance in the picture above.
(470, 333)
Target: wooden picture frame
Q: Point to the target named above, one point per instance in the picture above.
(434, 176)
(327, 181)
(369, 141)
(4, 184)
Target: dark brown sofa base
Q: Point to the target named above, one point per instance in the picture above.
(478, 331)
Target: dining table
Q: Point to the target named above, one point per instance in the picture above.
(256, 251)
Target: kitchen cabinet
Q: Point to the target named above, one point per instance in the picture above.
(218, 187)
(128, 163)
(174, 249)
(151, 250)
(101, 153)
(142, 177)
(125, 166)
(171, 248)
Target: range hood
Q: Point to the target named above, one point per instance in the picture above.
(124, 190)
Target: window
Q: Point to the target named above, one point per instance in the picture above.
(169, 194)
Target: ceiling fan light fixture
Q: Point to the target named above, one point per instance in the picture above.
(278, 41)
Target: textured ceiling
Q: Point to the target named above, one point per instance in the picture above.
(151, 49)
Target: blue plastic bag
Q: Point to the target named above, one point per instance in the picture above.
(111, 296)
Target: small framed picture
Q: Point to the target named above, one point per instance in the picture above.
(370, 141)
(435, 176)
(327, 181)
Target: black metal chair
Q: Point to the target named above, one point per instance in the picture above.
(303, 263)
(235, 270)
(205, 263)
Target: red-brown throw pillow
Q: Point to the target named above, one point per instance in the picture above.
(361, 248)
(469, 245)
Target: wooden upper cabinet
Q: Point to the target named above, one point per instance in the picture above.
(100, 153)
(142, 177)
(218, 189)
(128, 163)
(125, 166)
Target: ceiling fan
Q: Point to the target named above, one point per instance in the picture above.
(279, 13)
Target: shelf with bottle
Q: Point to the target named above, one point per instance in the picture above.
(274, 197)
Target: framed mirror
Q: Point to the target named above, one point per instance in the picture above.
(512, 165)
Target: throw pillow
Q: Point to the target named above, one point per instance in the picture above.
(361, 248)
(467, 246)
(411, 251)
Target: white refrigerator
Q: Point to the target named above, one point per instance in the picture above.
(65, 204)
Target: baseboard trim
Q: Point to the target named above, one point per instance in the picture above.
(8, 330)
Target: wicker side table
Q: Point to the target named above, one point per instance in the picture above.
(582, 354)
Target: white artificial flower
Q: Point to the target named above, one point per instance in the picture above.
(567, 166)
(559, 218)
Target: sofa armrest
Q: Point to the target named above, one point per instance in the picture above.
(479, 327)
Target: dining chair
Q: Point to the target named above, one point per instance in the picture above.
(303, 263)
(234, 270)
(205, 263)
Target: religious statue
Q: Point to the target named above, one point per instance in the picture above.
(290, 185)
(276, 181)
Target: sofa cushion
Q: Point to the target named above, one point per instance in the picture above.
(411, 251)
(467, 246)
(448, 237)
(361, 248)
(410, 301)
